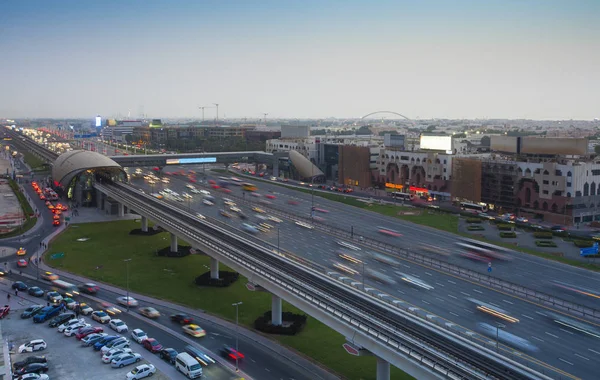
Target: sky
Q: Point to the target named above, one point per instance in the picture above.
(300, 59)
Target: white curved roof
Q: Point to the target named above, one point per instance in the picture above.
(73, 162)
(306, 168)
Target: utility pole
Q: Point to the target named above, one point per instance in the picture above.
(127, 281)
(217, 105)
(265, 114)
(237, 304)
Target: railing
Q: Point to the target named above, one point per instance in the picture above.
(393, 329)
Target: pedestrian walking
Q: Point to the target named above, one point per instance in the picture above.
(17, 292)
(8, 297)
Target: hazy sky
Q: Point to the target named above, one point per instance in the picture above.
(423, 59)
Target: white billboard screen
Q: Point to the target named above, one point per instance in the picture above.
(98, 121)
(436, 143)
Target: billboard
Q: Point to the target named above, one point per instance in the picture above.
(390, 140)
(98, 121)
(554, 145)
(436, 142)
(200, 160)
(505, 144)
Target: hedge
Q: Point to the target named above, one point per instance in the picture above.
(298, 321)
(583, 243)
(225, 279)
(543, 235)
(545, 243)
(508, 235)
(475, 228)
(505, 227)
(474, 220)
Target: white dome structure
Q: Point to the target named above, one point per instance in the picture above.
(69, 164)
(306, 168)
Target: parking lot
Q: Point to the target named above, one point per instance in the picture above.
(67, 359)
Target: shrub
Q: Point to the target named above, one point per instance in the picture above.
(542, 235)
(298, 321)
(225, 279)
(508, 235)
(474, 220)
(475, 228)
(505, 227)
(545, 243)
(583, 243)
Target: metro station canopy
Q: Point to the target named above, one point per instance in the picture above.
(72, 163)
(304, 166)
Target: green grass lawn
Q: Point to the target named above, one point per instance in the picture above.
(173, 279)
(26, 207)
(32, 160)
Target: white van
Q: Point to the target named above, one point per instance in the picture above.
(187, 365)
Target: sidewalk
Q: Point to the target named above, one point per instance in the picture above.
(307, 365)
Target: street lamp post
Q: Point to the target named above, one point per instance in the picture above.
(498, 327)
(237, 304)
(127, 280)
(278, 251)
(363, 275)
(217, 105)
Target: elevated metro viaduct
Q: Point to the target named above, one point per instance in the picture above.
(75, 173)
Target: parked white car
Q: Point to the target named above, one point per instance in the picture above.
(141, 371)
(114, 353)
(138, 335)
(72, 330)
(32, 346)
(120, 342)
(70, 323)
(118, 325)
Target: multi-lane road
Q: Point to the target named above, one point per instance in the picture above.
(450, 298)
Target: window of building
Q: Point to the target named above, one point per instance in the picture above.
(545, 182)
(568, 184)
(404, 158)
(444, 162)
(569, 174)
(578, 193)
(444, 170)
(596, 172)
(558, 173)
(545, 191)
(586, 189)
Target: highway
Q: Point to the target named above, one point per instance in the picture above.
(564, 348)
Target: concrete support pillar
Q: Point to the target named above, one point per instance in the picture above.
(173, 243)
(144, 224)
(214, 268)
(276, 168)
(121, 209)
(383, 369)
(275, 310)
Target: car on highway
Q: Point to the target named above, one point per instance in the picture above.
(35, 291)
(168, 355)
(19, 285)
(85, 309)
(274, 219)
(138, 335)
(32, 368)
(194, 330)
(249, 228)
(125, 360)
(207, 202)
(91, 339)
(114, 353)
(101, 316)
(152, 345)
(31, 311)
(225, 213)
(118, 325)
(127, 301)
(21, 251)
(29, 360)
(149, 312)
(304, 225)
(388, 232)
(258, 210)
(348, 257)
(414, 281)
(379, 276)
(85, 331)
(183, 319)
(56, 223)
(32, 346)
(200, 216)
(69, 303)
(231, 353)
(89, 288)
(141, 371)
(22, 263)
(347, 245)
(54, 297)
(385, 259)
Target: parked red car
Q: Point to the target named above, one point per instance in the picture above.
(4, 311)
(85, 331)
(152, 345)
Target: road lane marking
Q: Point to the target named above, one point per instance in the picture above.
(268, 370)
(527, 316)
(547, 333)
(437, 283)
(425, 302)
(563, 360)
(468, 311)
(596, 352)
(429, 274)
(440, 299)
(456, 315)
(406, 265)
(567, 331)
(540, 313)
(508, 302)
(478, 291)
(535, 337)
(452, 282)
(466, 294)
(583, 357)
(450, 295)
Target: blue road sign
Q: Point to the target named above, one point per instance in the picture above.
(588, 251)
(489, 269)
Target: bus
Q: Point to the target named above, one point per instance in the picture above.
(473, 207)
(403, 196)
(65, 287)
(481, 251)
(248, 187)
